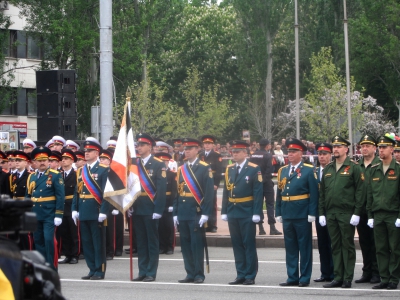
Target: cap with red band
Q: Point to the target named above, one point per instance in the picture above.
(238, 144)
(145, 138)
(68, 153)
(295, 144)
(323, 147)
(40, 153)
(189, 142)
(21, 155)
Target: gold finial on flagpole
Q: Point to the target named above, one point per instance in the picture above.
(128, 94)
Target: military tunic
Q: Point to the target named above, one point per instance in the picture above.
(242, 198)
(47, 194)
(383, 205)
(297, 198)
(341, 196)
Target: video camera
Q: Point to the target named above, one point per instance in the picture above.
(27, 273)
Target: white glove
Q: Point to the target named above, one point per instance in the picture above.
(397, 223)
(176, 222)
(354, 220)
(115, 212)
(278, 219)
(102, 217)
(170, 209)
(311, 219)
(256, 218)
(224, 218)
(370, 223)
(57, 221)
(130, 212)
(203, 219)
(75, 216)
(156, 216)
(322, 221)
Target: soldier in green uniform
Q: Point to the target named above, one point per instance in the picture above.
(242, 202)
(148, 207)
(191, 209)
(46, 189)
(365, 234)
(296, 208)
(383, 208)
(91, 209)
(340, 205)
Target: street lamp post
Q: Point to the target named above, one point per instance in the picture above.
(296, 42)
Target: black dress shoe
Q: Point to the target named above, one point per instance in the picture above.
(186, 280)
(380, 286)
(346, 284)
(303, 284)
(109, 257)
(148, 279)
(73, 261)
(118, 253)
(237, 281)
(249, 282)
(139, 278)
(289, 283)
(95, 277)
(161, 251)
(363, 279)
(322, 279)
(81, 256)
(169, 252)
(375, 279)
(392, 286)
(65, 261)
(333, 284)
(87, 277)
(213, 230)
(198, 280)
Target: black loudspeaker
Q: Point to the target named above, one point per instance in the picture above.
(56, 104)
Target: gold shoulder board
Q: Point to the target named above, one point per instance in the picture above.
(157, 159)
(203, 163)
(103, 165)
(54, 171)
(252, 165)
(308, 165)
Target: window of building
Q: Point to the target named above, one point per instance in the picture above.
(32, 102)
(19, 44)
(22, 103)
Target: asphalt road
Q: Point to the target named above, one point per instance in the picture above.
(272, 271)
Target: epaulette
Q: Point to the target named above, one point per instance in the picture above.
(328, 164)
(284, 167)
(375, 165)
(53, 171)
(397, 163)
(231, 165)
(354, 161)
(157, 159)
(103, 166)
(203, 163)
(217, 152)
(308, 165)
(252, 165)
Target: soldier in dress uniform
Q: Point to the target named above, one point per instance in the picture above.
(242, 203)
(263, 159)
(164, 147)
(365, 234)
(46, 189)
(80, 162)
(383, 208)
(28, 145)
(4, 174)
(50, 144)
(59, 143)
(55, 160)
(296, 208)
(69, 144)
(68, 229)
(91, 209)
(396, 150)
(214, 160)
(192, 207)
(179, 152)
(148, 207)
(166, 230)
(324, 151)
(340, 205)
(11, 162)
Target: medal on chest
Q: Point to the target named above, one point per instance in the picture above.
(48, 182)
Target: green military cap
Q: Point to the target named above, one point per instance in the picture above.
(367, 139)
(338, 140)
(386, 140)
(397, 146)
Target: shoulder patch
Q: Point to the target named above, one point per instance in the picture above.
(157, 159)
(252, 165)
(54, 171)
(308, 165)
(103, 166)
(353, 161)
(375, 165)
(203, 163)
(231, 165)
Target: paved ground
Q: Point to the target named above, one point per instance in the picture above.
(272, 271)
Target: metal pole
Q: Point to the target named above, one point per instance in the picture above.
(106, 70)
(346, 49)
(296, 42)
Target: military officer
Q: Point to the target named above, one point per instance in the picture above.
(148, 207)
(4, 181)
(80, 156)
(59, 143)
(68, 229)
(296, 208)
(164, 147)
(264, 160)
(396, 151)
(383, 208)
(242, 203)
(365, 234)
(11, 162)
(179, 152)
(28, 145)
(340, 204)
(324, 151)
(166, 226)
(69, 144)
(214, 160)
(50, 144)
(46, 189)
(55, 160)
(91, 209)
(192, 207)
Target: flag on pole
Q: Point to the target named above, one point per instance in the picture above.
(123, 185)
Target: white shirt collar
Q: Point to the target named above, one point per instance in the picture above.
(295, 166)
(92, 164)
(192, 163)
(241, 165)
(67, 172)
(207, 152)
(146, 159)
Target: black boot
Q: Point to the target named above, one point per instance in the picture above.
(273, 230)
(261, 229)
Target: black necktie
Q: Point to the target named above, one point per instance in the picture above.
(40, 175)
(190, 165)
(237, 172)
(292, 171)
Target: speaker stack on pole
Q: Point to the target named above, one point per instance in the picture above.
(56, 104)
